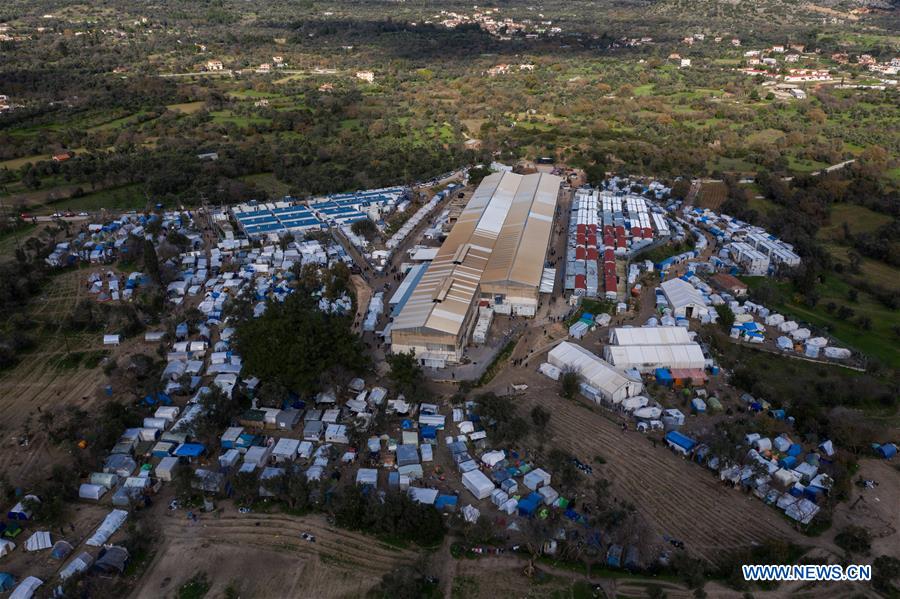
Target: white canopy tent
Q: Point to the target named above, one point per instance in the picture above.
(613, 385)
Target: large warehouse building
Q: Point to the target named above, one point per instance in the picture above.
(495, 252)
(649, 348)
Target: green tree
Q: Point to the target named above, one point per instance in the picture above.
(365, 228)
(151, 262)
(407, 375)
(298, 346)
(569, 384)
(726, 317)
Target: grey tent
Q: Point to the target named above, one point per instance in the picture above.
(114, 559)
(61, 550)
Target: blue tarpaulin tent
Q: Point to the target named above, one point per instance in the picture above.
(446, 502)
(675, 438)
(528, 505)
(7, 581)
(664, 377)
(795, 450)
(886, 450)
(190, 450)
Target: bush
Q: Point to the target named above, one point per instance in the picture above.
(854, 539)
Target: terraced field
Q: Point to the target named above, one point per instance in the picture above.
(674, 497)
(262, 555)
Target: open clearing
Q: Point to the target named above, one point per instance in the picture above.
(262, 555)
(712, 195)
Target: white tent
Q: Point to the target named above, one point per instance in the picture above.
(647, 358)
(478, 484)
(549, 370)
(420, 495)
(6, 546)
(612, 384)
(471, 513)
(110, 524)
(38, 541)
(649, 336)
(685, 299)
(26, 588)
(91, 491)
(79, 563)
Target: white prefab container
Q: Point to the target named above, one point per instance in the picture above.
(166, 468)
(149, 434)
(499, 497)
(536, 479)
(229, 459)
(478, 484)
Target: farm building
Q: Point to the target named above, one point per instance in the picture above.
(611, 384)
(729, 283)
(686, 301)
(495, 251)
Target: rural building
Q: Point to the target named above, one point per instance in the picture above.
(612, 385)
(729, 283)
(686, 301)
(495, 252)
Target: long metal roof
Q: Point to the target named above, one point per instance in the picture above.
(503, 228)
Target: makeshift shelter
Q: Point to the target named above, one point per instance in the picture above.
(6, 546)
(110, 524)
(680, 443)
(20, 511)
(92, 492)
(478, 484)
(165, 470)
(105, 479)
(7, 582)
(79, 563)
(536, 479)
(113, 559)
(26, 588)
(420, 495)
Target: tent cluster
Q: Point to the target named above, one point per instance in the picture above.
(105, 243)
(778, 471)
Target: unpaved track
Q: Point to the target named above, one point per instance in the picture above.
(264, 556)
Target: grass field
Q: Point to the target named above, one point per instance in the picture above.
(187, 107)
(268, 183)
(127, 197)
(879, 342)
(17, 163)
(858, 218)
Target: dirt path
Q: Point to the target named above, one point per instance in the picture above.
(262, 555)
